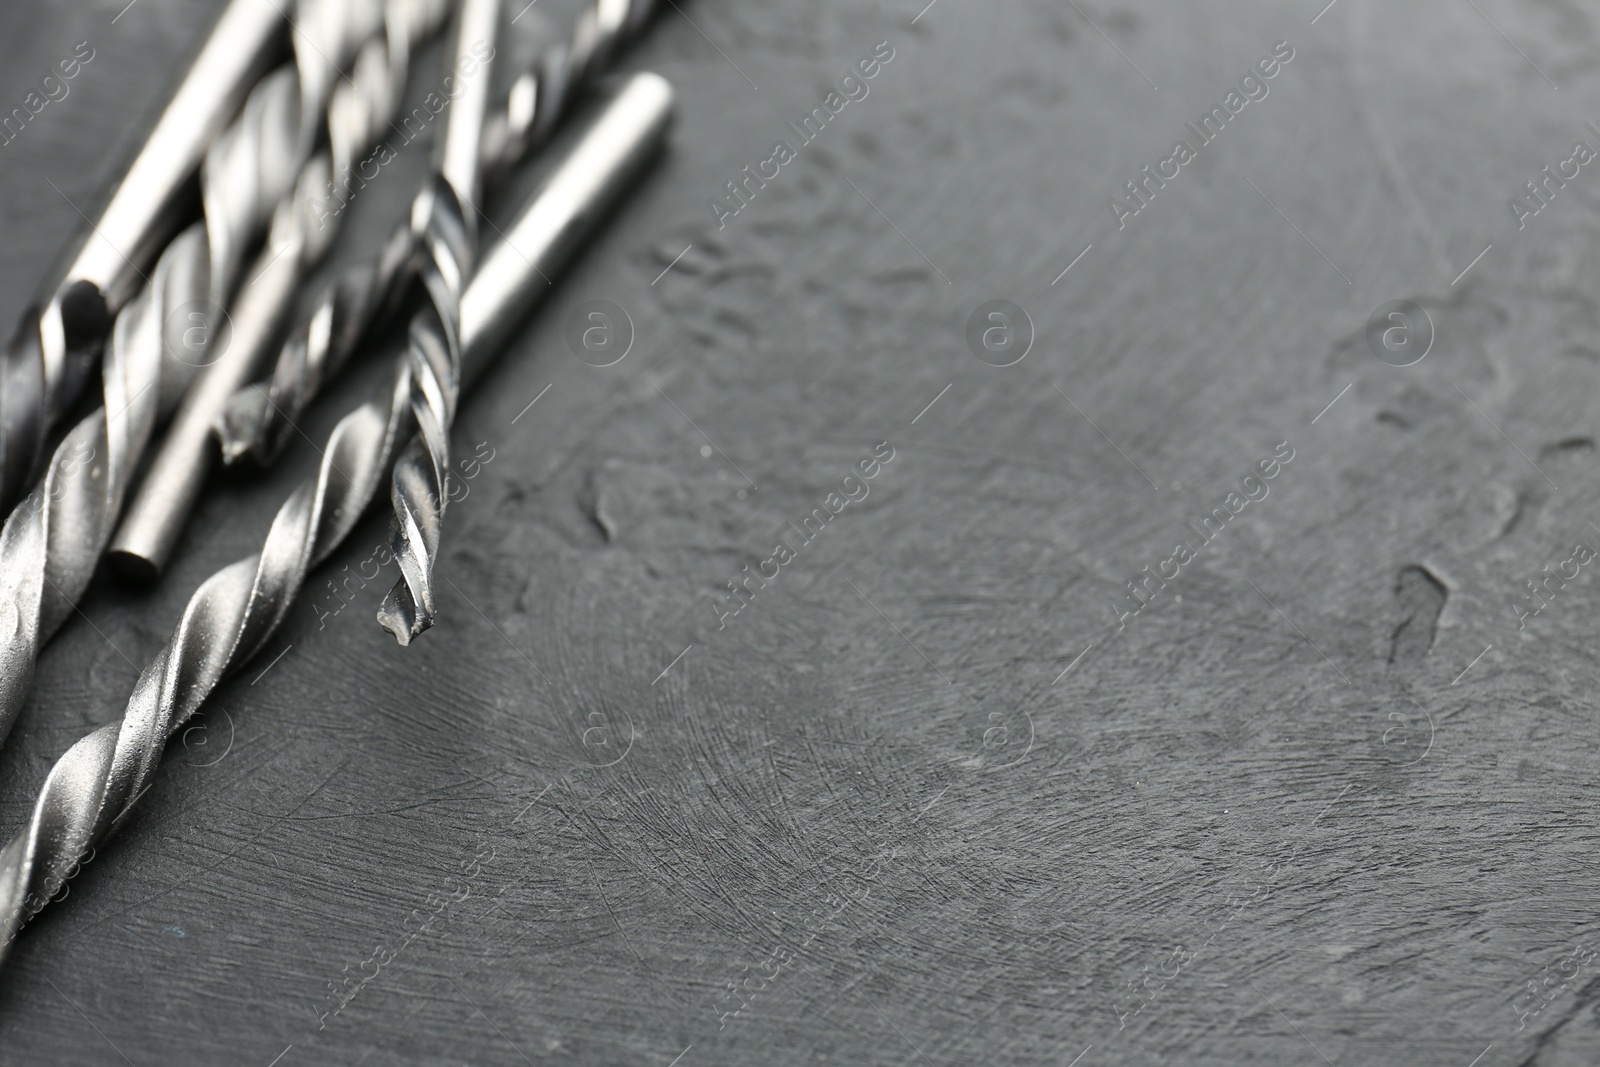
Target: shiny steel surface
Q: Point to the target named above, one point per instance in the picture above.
(361, 108)
(51, 542)
(94, 785)
(47, 362)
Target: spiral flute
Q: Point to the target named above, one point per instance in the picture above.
(418, 491)
(93, 786)
(51, 542)
(260, 419)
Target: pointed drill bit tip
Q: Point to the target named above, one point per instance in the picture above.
(240, 429)
(400, 615)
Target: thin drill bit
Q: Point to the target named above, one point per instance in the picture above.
(448, 242)
(93, 786)
(50, 358)
(301, 233)
(260, 419)
(51, 542)
(418, 490)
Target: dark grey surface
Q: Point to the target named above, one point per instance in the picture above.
(1277, 803)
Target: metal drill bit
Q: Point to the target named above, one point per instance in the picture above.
(361, 108)
(51, 542)
(47, 363)
(418, 490)
(260, 419)
(449, 241)
(94, 785)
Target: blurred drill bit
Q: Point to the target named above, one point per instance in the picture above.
(51, 542)
(93, 786)
(49, 359)
(260, 419)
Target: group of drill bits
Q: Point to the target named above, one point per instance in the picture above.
(266, 145)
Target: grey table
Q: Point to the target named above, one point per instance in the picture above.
(937, 793)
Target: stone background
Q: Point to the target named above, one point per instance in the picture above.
(921, 800)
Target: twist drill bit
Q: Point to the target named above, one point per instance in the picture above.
(93, 786)
(48, 360)
(418, 490)
(448, 240)
(259, 420)
(363, 105)
(51, 542)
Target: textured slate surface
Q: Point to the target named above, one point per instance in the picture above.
(1320, 800)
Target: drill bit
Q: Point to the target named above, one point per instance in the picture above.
(418, 490)
(48, 361)
(92, 788)
(448, 240)
(301, 234)
(51, 542)
(260, 419)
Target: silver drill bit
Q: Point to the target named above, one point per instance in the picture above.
(447, 218)
(418, 491)
(51, 542)
(260, 418)
(94, 785)
(361, 109)
(49, 359)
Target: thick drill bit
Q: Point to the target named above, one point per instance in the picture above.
(51, 542)
(362, 107)
(260, 419)
(418, 492)
(49, 359)
(94, 785)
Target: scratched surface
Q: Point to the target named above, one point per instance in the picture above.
(930, 790)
